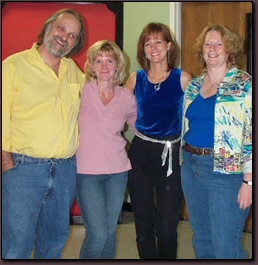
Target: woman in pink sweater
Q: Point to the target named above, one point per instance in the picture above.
(102, 162)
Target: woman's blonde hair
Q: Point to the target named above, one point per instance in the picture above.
(109, 48)
(234, 45)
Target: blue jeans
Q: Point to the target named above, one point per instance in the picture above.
(100, 198)
(156, 199)
(214, 213)
(37, 195)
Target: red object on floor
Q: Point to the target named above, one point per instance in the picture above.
(75, 210)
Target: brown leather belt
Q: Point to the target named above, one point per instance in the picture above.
(197, 151)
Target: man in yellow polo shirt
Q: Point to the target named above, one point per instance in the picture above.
(41, 96)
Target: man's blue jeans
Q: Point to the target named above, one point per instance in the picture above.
(215, 216)
(100, 198)
(37, 195)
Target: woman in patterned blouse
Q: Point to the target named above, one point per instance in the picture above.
(217, 146)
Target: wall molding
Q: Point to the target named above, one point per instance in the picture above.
(176, 22)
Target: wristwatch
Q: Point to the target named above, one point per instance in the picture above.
(248, 182)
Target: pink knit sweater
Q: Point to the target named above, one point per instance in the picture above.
(102, 146)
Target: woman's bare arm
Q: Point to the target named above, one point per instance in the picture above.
(130, 84)
(186, 78)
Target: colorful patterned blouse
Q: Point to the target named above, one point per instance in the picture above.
(233, 121)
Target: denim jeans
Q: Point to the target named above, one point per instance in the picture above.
(156, 199)
(100, 198)
(37, 195)
(214, 213)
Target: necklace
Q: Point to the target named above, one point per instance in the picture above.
(217, 80)
(157, 86)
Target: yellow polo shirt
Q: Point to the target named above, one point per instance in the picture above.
(39, 109)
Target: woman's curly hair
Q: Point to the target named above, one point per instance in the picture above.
(234, 45)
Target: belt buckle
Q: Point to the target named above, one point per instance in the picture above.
(202, 152)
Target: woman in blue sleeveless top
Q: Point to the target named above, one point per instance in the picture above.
(154, 181)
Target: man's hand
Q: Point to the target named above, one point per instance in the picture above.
(7, 161)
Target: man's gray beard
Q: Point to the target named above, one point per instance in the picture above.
(56, 53)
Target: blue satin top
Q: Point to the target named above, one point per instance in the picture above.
(159, 111)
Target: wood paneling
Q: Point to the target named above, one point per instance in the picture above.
(195, 17)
